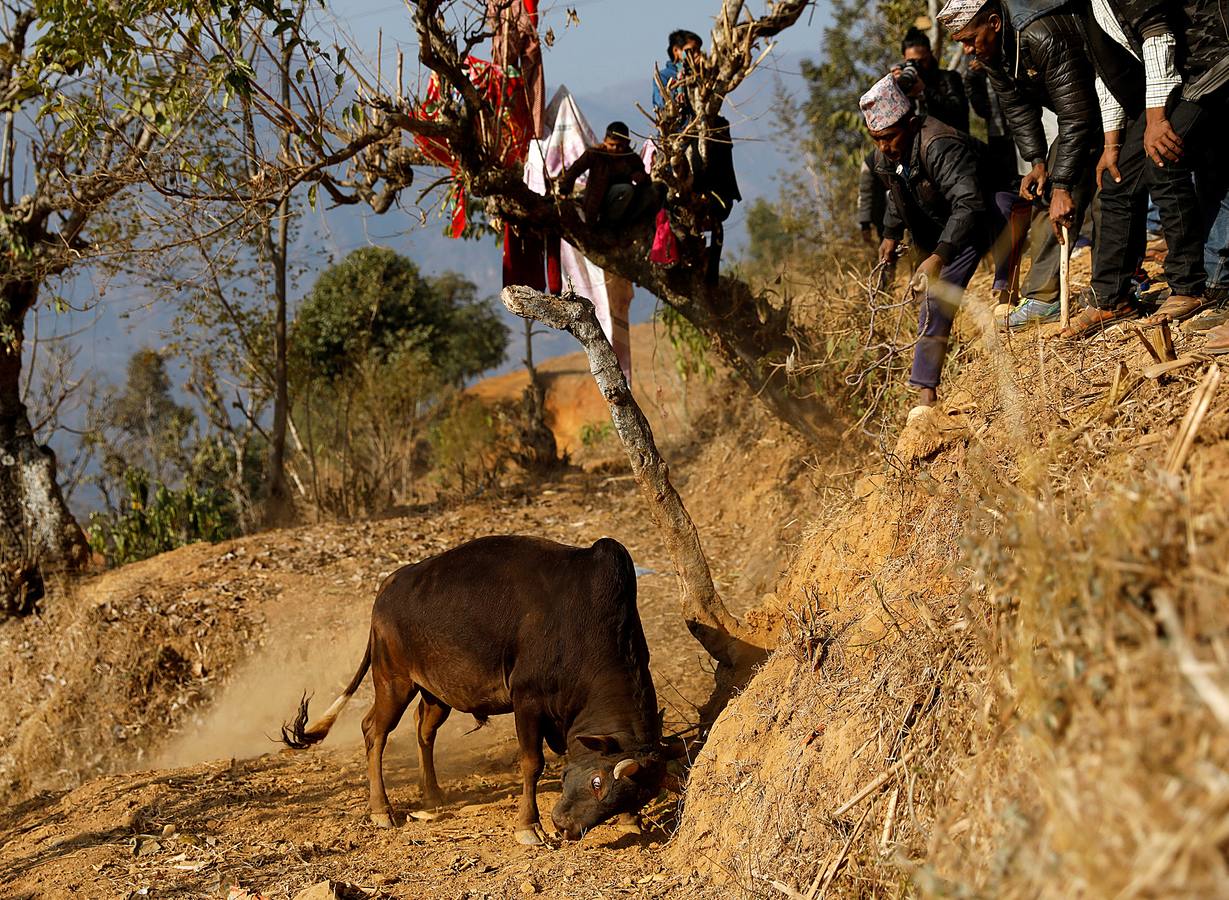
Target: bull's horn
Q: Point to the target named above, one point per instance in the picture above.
(626, 767)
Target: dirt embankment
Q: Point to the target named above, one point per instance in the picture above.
(1005, 668)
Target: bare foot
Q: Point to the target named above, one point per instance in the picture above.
(927, 396)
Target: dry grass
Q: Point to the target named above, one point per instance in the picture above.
(1029, 604)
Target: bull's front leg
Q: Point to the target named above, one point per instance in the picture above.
(529, 736)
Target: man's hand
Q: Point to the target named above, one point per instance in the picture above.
(1161, 142)
(1061, 211)
(1033, 184)
(1108, 163)
(887, 250)
(931, 267)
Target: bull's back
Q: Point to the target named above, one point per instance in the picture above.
(462, 622)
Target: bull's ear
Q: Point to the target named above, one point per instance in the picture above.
(600, 743)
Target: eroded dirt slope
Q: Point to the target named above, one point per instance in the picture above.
(180, 667)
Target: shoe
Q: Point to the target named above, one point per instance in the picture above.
(1217, 295)
(1176, 308)
(1091, 320)
(1218, 340)
(1032, 312)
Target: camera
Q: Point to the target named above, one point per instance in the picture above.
(908, 78)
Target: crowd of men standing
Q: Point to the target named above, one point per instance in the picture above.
(1140, 93)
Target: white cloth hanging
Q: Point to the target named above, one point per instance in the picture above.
(569, 135)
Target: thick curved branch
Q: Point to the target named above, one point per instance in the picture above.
(708, 620)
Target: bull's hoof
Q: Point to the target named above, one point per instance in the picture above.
(382, 820)
(531, 837)
(629, 823)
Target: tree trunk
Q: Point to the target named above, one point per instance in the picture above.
(725, 638)
(37, 532)
(538, 449)
(279, 505)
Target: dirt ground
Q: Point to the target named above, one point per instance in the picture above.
(201, 801)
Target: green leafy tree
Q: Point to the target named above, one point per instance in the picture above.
(375, 302)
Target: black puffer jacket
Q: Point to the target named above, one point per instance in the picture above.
(1047, 64)
(942, 194)
(1206, 42)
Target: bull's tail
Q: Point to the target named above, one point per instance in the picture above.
(298, 735)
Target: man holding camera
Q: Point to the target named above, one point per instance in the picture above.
(1038, 58)
(942, 94)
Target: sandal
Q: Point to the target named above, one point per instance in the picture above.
(1091, 319)
(1218, 340)
(1175, 308)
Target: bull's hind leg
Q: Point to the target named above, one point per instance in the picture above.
(393, 695)
(431, 715)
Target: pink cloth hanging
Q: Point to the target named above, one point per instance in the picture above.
(665, 250)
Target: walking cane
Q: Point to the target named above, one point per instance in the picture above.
(1064, 285)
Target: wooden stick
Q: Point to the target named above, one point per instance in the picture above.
(1143, 339)
(878, 782)
(1167, 343)
(1156, 370)
(1064, 280)
(1184, 440)
(889, 820)
(1196, 672)
(835, 865)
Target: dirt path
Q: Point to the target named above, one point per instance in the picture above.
(234, 813)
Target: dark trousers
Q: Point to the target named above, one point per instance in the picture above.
(1124, 215)
(939, 307)
(1205, 121)
(1042, 280)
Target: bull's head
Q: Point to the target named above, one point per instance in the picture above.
(607, 778)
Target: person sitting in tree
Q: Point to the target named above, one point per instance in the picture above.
(683, 45)
(618, 188)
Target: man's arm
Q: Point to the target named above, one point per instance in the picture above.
(1160, 50)
(977, 91)
(867, 185)
(574, 171)
(1060, 55)
(1023, 117)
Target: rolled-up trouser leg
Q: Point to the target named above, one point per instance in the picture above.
(1009, 245)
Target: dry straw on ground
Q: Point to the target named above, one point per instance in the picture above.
(1007, 651)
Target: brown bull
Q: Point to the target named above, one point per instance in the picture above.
(547, 632)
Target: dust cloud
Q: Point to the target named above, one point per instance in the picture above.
(245, 719)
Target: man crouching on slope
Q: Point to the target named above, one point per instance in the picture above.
(942, 188)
